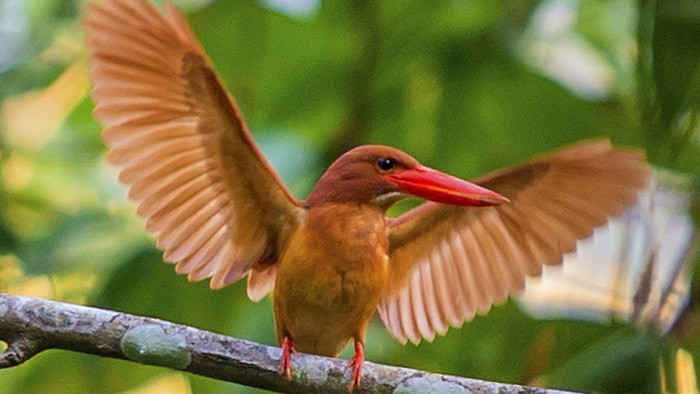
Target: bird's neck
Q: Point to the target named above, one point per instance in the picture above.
(348, 220)
(347, 211)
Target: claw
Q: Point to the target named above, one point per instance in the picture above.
(286, 359)
(356, 365)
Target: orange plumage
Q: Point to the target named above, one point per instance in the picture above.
(331, 278)
(219, 211)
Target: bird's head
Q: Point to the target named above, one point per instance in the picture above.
(381, 175)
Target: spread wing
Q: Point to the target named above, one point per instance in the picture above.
(217, 207)
(448, 262)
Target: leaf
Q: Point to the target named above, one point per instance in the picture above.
(675, 56)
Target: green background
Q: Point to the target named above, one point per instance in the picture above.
(464, 86)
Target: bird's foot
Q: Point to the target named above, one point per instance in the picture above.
(286, 359)
(356, 364)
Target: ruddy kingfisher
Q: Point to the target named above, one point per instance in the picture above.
(219, 210)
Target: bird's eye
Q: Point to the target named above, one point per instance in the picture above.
(385, 164)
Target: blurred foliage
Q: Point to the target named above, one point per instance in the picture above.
(466, 86)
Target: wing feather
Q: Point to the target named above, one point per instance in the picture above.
(465, 275)
(419, 311)
(457, 295)
(405, 314)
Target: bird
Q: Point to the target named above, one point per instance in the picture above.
(219, 210)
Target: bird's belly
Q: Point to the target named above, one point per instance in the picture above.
(322, 307)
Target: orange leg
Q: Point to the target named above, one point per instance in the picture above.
(356, 364)
(286, 359)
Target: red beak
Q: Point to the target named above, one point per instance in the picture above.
(440, 187)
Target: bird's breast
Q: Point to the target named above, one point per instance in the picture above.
(341, 250)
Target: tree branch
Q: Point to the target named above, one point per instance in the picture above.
(18, 351)
(30, 325)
